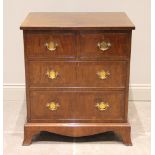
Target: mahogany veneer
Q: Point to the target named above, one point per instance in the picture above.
(77, 73)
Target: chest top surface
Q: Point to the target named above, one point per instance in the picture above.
(77, 21)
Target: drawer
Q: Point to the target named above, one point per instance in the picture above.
(51, 74)
(104, 44)
(91, 106)
(77, 74)
(48, 44)
(102, 74)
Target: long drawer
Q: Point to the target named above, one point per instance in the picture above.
(75, 106)
(77, 74)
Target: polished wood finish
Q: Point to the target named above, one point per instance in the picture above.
(118, 40)
(65, 41)
(87, 74)
(77, 21)
(77, 74)
(77, 106)
(78, 130)
(77, 61)
(38, 73)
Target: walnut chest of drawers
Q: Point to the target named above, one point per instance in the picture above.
(77, 73)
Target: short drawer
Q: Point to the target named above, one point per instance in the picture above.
(103, 44)
(51, 74)
(50, 44)
(75, 106)
(102, 74)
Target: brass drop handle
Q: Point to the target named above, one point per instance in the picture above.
(103, 46)
(103, 74)
(52, 74)
(52, 106)
(51, 46)
(102, 106)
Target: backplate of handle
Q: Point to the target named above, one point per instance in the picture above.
(51, 46)
(103, 74)
(102, 106)
(52, 106)
(103, 45)
(52, 74)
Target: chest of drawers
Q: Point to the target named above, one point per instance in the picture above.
(77, 73)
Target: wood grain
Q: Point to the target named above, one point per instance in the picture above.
(77, 106)
(77, 130)
(87, 74)
(37, 40)
(38, 74)
(76, 21)
(89, 44)
(77, 74)
(77, 59)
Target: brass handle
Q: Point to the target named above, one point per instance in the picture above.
(52, 74)
(51, 46)
(102, 106)
(103, 46)
(52, 106)
(103, 74)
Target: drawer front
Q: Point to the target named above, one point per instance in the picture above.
(102, 45)
(74, 106)
(51, 74)
(48, 44)
(102, 74)
(77, 74)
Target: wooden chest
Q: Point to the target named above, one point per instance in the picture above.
(77, 73)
